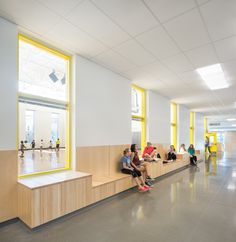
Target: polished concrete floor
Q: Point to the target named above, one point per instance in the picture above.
(45, 160)
(194, 205)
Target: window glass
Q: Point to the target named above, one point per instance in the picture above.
(43, 88)
(137, 132)
(29, 126)
(41, 73)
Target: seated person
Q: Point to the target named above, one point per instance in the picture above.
(126, 168)
(182, 149)
(149, 153)
(193, 157)
(156, 154)
(139, 165)
(171, 156)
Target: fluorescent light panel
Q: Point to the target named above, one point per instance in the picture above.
(213, 76)
(230, 119)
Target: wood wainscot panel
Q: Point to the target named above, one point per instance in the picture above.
(8, 185)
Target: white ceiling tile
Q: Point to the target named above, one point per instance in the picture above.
(114, 61)
(76, 39)
(226, 49)
(167, 9)
(156, 68)
(132, 15)
(178, 63)
(30, 14)
(158, 42)
(202, 56)
(188, 30)
(90, 19)
(220, 18)
(60, 7)
(135, 53)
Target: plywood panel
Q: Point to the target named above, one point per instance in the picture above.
(42, 204)
(103, 191)
(115, 154)
(78, 192)
(24, 204)
(93, 160)
(8, 185)
(46, 204)
(123, 184)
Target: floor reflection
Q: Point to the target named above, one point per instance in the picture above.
(36, 161)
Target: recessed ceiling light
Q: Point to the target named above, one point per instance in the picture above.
(213, 76)
(230, 119)
(233, 125)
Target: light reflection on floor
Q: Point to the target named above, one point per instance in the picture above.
(36, 161)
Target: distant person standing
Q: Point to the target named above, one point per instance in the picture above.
(50, 144)
(41, 145)
(207, 145)
(58, 144)
(33, 145)
(22, 147)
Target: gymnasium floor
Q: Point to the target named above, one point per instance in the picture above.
(36, 160)
(197, 205)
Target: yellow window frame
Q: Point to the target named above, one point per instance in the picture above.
(36, 43)
(173, 108)
(192, 127)
(142, 117)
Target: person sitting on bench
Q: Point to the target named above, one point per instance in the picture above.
(142, 166)
(193, 157)
(149, 153)
(126, 168)
(171, 156)
(182, 149)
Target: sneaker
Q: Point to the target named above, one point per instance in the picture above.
(149, 178)
(147, 187)
(143, 189)
(150, 185)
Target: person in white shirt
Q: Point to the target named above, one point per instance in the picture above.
(182, 149)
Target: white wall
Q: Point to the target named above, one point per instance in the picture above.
(42, 123)
(199, 131)
(158, 118)
(103, 105)
(8, 85)
(183, 126)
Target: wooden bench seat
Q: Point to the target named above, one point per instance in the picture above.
(47, 197)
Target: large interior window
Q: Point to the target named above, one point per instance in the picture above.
(173, 129)
(138, 117)
(192, 121)
(43, 92)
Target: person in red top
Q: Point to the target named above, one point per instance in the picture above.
(148, 153)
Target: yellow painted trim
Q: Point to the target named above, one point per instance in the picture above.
(36, 43)
(174, 124)
(142, 117)
(40, 45)
(43, 173)
(192, 128)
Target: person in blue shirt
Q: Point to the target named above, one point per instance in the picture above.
(193, 157)
(126, 168)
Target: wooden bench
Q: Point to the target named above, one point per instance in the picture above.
(103, 163)
(47, 197)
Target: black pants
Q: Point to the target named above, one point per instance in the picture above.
(134, 173)
(171, 156)
(208, 148)
(193, 160)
